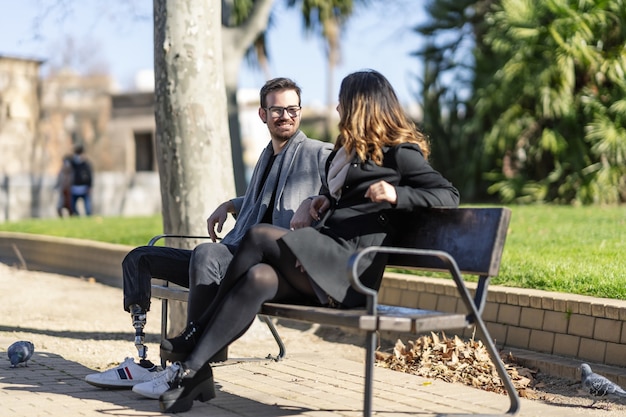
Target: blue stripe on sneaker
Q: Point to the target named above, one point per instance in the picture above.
(122, 373)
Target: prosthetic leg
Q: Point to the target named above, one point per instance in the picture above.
(128, 373)
(138, 315)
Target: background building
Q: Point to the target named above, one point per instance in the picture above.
(42, 119)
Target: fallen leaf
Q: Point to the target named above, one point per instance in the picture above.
(456, 360)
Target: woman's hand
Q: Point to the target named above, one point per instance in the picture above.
(301, 218)
(382, 191)
(319, 205)
(299, 266)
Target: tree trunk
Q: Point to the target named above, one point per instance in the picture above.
(332, 30)
(236, 41)
(231, 78)
(192, 141)
(193, 146)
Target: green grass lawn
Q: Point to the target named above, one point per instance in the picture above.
(132, 231)
(566, 249)
(554, 248)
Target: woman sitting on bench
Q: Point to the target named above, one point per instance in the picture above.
(379, 164)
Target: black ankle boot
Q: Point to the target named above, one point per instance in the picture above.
(186, 388)
(178, 348)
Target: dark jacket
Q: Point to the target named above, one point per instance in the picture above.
(354, 221)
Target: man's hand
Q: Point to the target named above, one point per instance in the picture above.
(219, 217)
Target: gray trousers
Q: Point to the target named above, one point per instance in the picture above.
(201, 270)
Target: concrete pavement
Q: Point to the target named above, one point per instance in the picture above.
(78, 327)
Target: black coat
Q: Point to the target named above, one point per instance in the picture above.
(354, 221)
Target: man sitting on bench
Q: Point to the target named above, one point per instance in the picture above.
(290, 169)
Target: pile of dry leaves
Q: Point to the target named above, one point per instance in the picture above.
(455, 360)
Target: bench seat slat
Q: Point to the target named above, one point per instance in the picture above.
(442, 322)
(322, 315)
(170, 293)
(389, 318)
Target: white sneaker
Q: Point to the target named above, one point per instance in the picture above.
(158, 384)
(126, 375)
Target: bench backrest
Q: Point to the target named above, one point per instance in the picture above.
(473, 236)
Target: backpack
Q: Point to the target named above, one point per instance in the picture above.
(82, 173)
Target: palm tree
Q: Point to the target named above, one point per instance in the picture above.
(453, 37)
(559, 101)
(327, 18)
(544, 102)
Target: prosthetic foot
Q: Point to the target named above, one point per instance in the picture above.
(138, 315)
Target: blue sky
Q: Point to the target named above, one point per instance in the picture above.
(379, 37)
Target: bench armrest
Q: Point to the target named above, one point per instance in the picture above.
(156, 238)
(426, 259)
(446, 262)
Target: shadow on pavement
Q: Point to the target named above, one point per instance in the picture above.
(79, 335)
(51, 373)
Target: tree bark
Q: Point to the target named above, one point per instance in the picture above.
(193, 146)
(192, 141)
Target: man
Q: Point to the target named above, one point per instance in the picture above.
(82, 178)
(290, 169)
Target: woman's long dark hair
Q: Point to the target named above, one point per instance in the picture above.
(372, 117)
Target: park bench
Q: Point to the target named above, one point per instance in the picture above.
(458, 241)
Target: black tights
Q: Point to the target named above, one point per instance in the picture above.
(263, 269)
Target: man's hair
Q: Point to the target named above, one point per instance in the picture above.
(278, 84)
(78, 149)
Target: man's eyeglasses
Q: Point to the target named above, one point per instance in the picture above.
(292, 111)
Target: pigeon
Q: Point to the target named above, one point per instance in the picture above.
(597, 385)
(20, 352)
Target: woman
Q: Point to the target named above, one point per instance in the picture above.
(378, 165)
(64, 182)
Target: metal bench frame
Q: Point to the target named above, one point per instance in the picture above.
(458, 241)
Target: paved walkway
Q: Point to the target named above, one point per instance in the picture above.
(78, 326)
